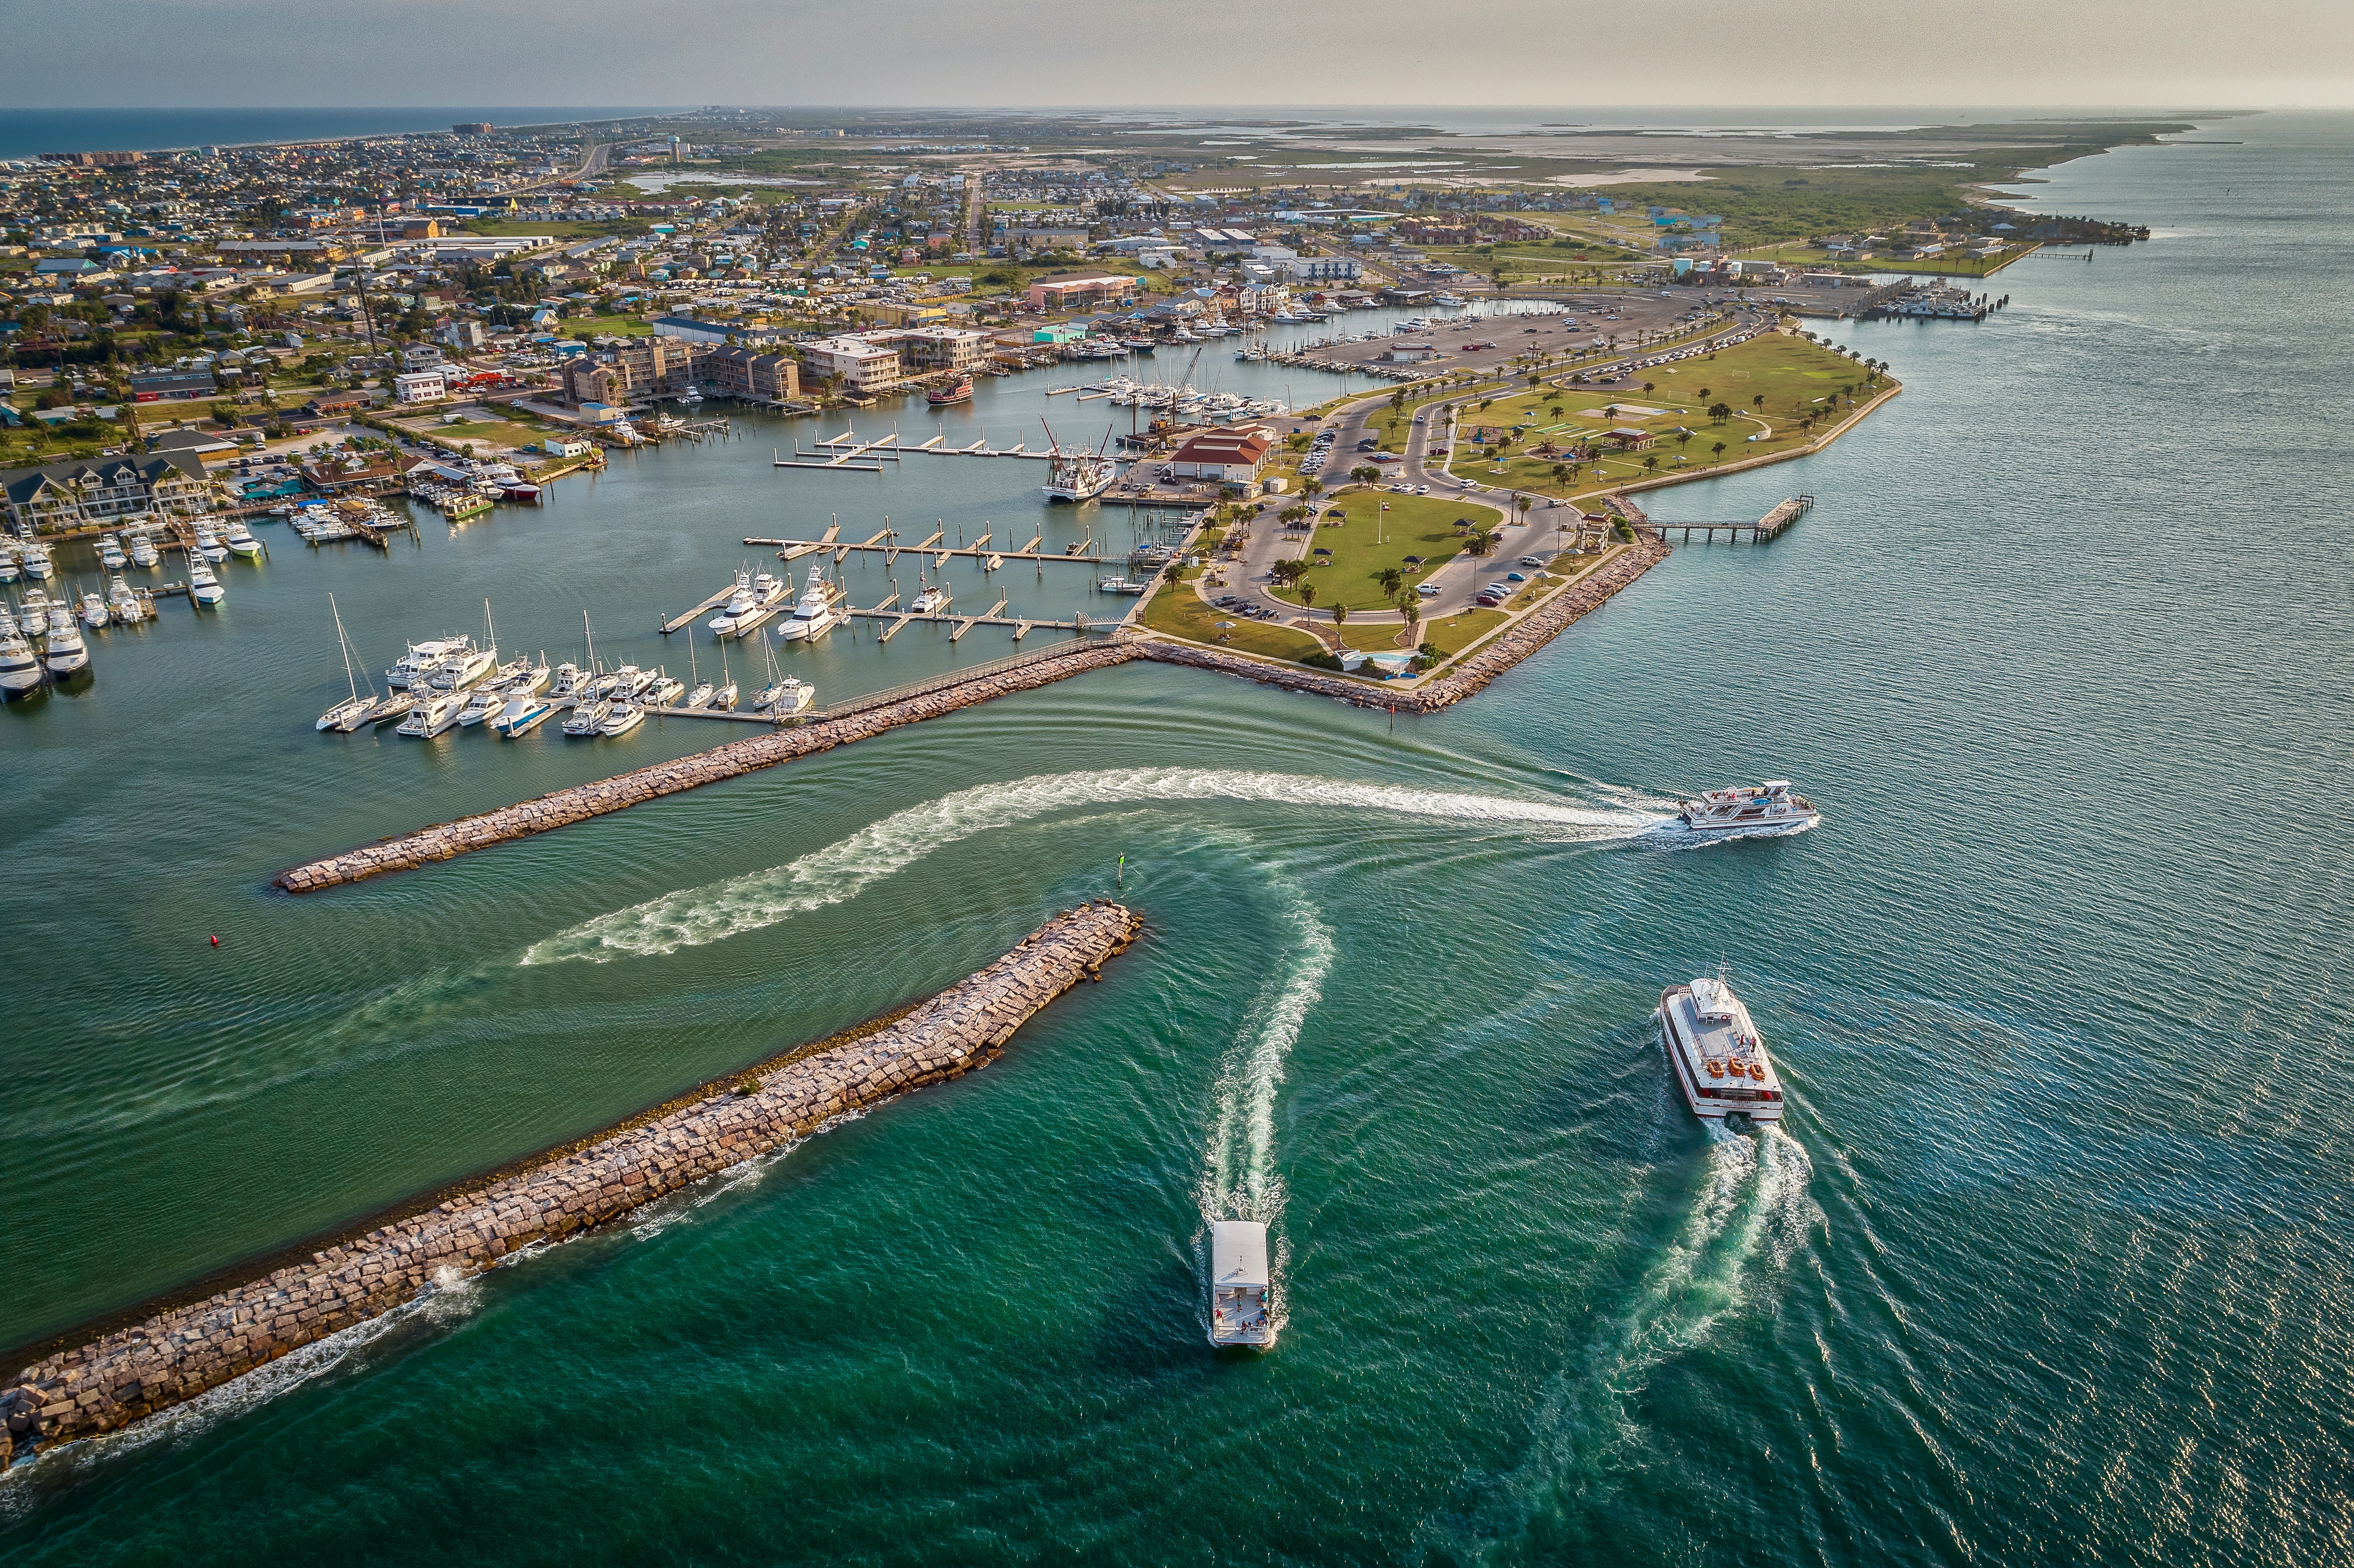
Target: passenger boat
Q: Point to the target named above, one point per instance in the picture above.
(20, 670)
(203, 587)
(1768, 805)
(66, 652)
(957, 391)
(814, 616)
(434, 711)
(1239, 1283)
(1719, 1060)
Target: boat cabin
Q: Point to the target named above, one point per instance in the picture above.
(1239, 1283)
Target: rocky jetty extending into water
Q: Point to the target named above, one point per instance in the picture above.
(118, 1377)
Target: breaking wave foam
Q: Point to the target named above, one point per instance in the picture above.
(716, 911)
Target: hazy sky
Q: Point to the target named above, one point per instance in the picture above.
(238, 53)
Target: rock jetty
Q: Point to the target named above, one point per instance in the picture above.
(560, 807)
(110, 1382)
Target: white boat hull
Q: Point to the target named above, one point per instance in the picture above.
(1712, 1101)
(800, 630)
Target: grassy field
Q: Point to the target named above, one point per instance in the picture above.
(500, 227)
(607, 326)
(482, 433)
(1794, 378)
(1452, 634)
(1415, 525)
(1178, 610)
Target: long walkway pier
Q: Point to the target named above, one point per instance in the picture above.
(107, 1383)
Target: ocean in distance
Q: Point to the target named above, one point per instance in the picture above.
(2043, 1267)
(30, 133)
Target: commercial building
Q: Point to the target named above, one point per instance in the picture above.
(1082, 290)
(106, 490)
(149, 386)
(420, 386)
(929, 348)
(755, 377)
(1230, 457)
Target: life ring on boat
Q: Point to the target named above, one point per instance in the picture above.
(1716, 1069)
(1757, 1071)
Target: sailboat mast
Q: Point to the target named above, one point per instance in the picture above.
(344, 644)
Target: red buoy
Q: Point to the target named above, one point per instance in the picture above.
(215, 941)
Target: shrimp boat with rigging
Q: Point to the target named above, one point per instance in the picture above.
(1079, 475)
(1719, 1059)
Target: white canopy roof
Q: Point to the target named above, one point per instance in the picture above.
(1237, 1252)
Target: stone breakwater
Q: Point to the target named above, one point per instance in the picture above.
(556, 809)
(110, 1381)
(1490, 660)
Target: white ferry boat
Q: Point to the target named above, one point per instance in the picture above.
(1767, 805)
(1718, 1057)
(1239, 1283)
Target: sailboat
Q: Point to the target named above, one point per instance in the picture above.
(724, 697)
(355, 710)
(784, 693)
(702, 691)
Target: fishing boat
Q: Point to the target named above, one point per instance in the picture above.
(123, 603)
(739, 603)
(768, 596)
(434, 712)
(34, 556)
(208, 545)
(483, 703)
(355, 710)
(1719, 1060)
(241, 539)
(1744, 809)
(463, 667)
(94, 612)
(522, 716)
(1081, 475)
(568, 682)
(7, 565)
(630, 683)
(664, 691)
(109, 553)
(20, 670)
(814, 616)
(1239, 1283)
(585, 718)
(620, 719)
(34, 616)
(66, 652)
(416, 665)
(142, 551)
(203, 587)
(957, 391)
(530, 680)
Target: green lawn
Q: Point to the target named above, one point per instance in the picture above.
(1415, 525)
(1794, 377)
(1450, 634)
(499, 227)
(605, 326)
(1177, 609)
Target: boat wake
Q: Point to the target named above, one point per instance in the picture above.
(694, 916)
(1752, 1210)
(1239, 1178)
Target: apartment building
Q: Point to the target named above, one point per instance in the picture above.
(106, 490)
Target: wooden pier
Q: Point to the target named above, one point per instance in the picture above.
(713, 601)
(1765, 530)
(940, 554)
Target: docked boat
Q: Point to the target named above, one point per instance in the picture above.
(123, 604)
(208, 545)
(94, 612)
(462, 669)
(620, 719)
(1744, 809)
(34, 556)
(109, 553)
(483, 703)
(1719, 1060)
(587, 717)
(630, 683)
(416, 665)
(768, 596)
(434, 712)
(1080, 476)
(933, 600)
(7, 565)
(34, 614)
(142, 551)
(1120, 585)
(814, 616)
(20, 670)
(66, 652)
(957, 391)
(568, 679)
(739, 603)
(522, 716)
(1239, 1283)
(529, 680)
(701, 696)
(664, 691)
(203, 587)
(241, 539)
(395, 705)
(786, 695)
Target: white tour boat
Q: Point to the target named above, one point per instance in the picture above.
(1767, 805)
(1239, 1283)
(1719, 1060)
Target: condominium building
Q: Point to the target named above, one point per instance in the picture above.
(106, 490)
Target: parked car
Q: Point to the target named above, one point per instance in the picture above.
(1427, 590)
(1531, 561)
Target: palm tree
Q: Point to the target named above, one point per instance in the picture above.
(1718, 448)
(1314, 487)
(1524, 501)
(1341, 623)
(1720, 412)
(1650, 463)
(1307, 594)
(1391, 580)
(1413, 607)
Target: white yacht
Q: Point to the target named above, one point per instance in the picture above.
(739, 603)
(34, 557)
(788, 696)
(110, 554)
(1719, 1060)
(66, 652)
(241, 539)
(568, 679)
(34, 615)
(701, 696)
(529, 680)
(434, 711)
(666, 691)
(416, 665)
(93, 611)
(208, 545)
(123, 603)
(142, 551)
(768, 596)
(630, 681)
(522, 716)
(1742, 809)
(203, 587)
(620, 719)
(7, 565)
(395, 705)
(483, 702)
(933, 600)
(587, 717)
(814, 616)
(20, 670)
(1239, 1283)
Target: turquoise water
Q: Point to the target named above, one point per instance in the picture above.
(2042, 1268)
